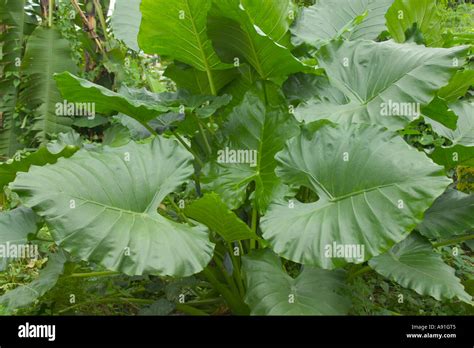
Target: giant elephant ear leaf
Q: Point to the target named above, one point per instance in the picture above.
(271, 291)
(258, 131)
(102, 207)
(413, 264)
(450, 215)
(24, 295)
(178, 29)
(416, 73)
(235, 36)
(125, 22)
(350, 19)
(423, 13)
(373, 189)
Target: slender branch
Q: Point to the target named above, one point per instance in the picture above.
(98, 9)
(50, 13)
(253, 225)
(93, 34)
(93, 274)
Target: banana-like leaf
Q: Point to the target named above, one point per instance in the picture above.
(414, 265)
(236, 36)
(373, 189)
(12, 16)
(178, 29)
(45, 154)
(25, 295)
(125, 22)
(102, 207)
(271, 291)
(46, 53)
(451, 214)
(212, 212)
(255, 133)
(404, 13)
(331, 19)
(377, 93)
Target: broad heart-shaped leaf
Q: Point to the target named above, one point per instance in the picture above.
(26, 294)
(451, 214)
(125, 22)
(48, 153)
(178, 29)
(464, 133)
(255, 133)
(139, 104)
(212, 212)
(350, 19)
(413, 264)
(404, 13)
(378, 92)
(15, 226)
(271, 291)
(102, 207)
(235, 36)
(46, 53)
(372, 186)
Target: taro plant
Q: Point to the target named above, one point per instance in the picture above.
(298, 149)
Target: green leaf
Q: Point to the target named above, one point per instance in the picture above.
(414, 265)
(25, 295)
(12, 15)
(439, 111)
(271, 291)
(102, 207)
(454, 156)
(464, 133)
(404, 13)
(415, 75)
(458, 86)
(197, 82)
(235, 36)
(45, 154)
(350, 19)
(46, 53)
(125, 22)
(272, 17)
(256, 130)
(141, 104)
(158, 308)
(178, 29)
(373, 189)
(212, 212)
(450, 215)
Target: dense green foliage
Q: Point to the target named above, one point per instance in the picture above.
(263, 157)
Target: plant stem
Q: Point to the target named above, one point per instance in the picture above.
(178, 209)
(211, 82)
(254, 225)
(235, 303)
(93, 274)
(50, 13)
(453, 241)
(98, 9)
(181, 140)
(237, 275)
